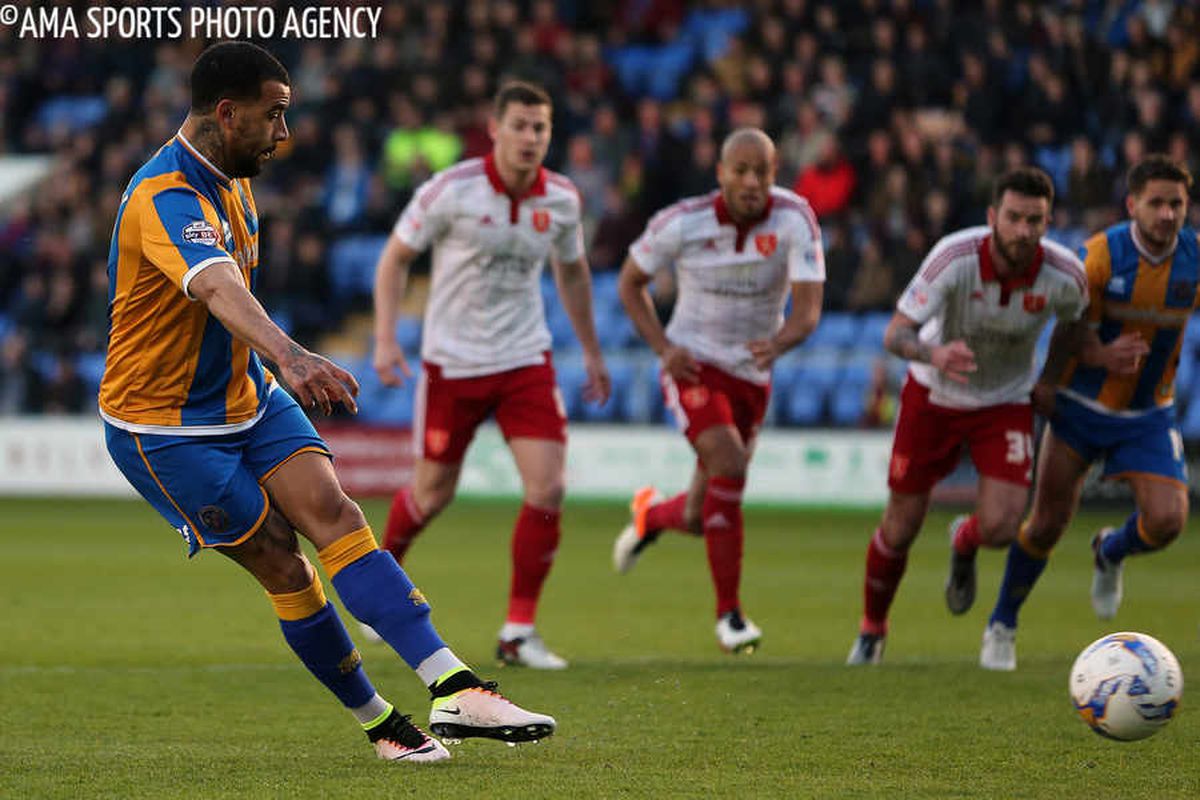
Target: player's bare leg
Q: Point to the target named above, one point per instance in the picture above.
(887, 556)
(542, 466)
(377, 592)
(1060, 474)
(994, 524)
(433, 486)
(1162, 511)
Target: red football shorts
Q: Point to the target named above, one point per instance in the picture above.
(716, 398)
(526, 402)
(929, 439)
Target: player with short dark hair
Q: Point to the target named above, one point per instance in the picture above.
(739, 253)
(1142, 277)
(492, 224)
(205, 434)
(968, 323)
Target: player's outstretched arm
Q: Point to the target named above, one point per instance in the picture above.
(807, 297)
(316, 380)
(391, 276)
(631, 288)
(574, 281)
(953, 359)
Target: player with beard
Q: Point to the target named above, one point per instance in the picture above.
(739, 253)
(1142, 277)
(968, 323)
(205, 434)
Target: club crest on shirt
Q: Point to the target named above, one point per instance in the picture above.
(766, 243)
(436, 441)
(694, 396)
(214, 518)
(541, 220)
(1034, 303)
(200, 232)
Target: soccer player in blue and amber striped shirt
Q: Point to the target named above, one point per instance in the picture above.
(203, 432)
(1142, 276)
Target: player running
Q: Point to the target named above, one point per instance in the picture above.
(738, 252)
(1142, 277)
(204, 433)
(969, 323)
(492, 223)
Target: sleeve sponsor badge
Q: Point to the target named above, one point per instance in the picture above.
(200, 232)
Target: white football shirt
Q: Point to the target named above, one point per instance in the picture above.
(957, 295)
(733, 281)
(485, 313)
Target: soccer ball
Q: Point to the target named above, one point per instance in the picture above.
(1126, 685)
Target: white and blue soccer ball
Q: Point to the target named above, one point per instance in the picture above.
(1126, 685)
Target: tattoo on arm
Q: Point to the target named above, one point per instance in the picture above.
(906, 343)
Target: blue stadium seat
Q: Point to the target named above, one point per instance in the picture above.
(805, 404)
(91, 369)
(1185, 375)
(604, 293)
(351, 265)
(408, 334)
(571, 378)
(811, 376)
(561, 332)
(1189, 425)
(622, 373)
(72, 111)
(1191, 336)
(836, 329)
(870, 330)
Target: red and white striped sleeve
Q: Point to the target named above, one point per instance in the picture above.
(936, 279)
(426, 216)
(661, 242)
(806, 253)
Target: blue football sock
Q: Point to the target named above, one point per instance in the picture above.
(323, 645)
(376, 591)
(1021, 572)
(1124, 542)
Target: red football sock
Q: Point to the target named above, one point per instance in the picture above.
(966, 538)
(405, 520)
(667, 515)
(885, 568)
(723, 538)
(535, 539)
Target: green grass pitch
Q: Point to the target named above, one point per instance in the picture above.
(128, 672)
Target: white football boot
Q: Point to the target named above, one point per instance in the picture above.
(404, 741)
(369, 634)
(1107, 588)
(867, 649)
(736, 634)
(528, 651)
(999, 649)
(482, 712)
(632, 540)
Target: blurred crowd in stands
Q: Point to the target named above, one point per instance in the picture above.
(891, 116)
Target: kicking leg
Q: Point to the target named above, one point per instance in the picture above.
(312, 628)
(377, 592)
